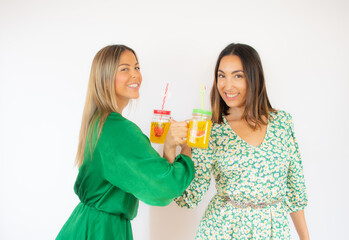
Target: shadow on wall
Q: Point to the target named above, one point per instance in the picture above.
(174, 223)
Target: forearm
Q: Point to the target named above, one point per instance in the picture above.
(186, 150)
(169, 153)
(300, 224)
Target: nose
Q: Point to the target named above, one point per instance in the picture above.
(229, 84)
(134, 74)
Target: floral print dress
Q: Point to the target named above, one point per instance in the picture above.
(271, 172)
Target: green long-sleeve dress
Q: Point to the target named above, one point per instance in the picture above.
(123, 169)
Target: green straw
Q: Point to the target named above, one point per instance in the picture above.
(203, 90)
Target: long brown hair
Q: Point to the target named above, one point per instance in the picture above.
(101, 96)
(257, 103)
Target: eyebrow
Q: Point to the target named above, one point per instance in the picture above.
(126, 64)
(236, 71)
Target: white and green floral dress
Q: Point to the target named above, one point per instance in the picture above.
(246, 174)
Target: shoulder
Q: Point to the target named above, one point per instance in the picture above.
(219, 134)
(117, 125)
(282, 120)
(121, 134)
(280, 116)
(217, 129)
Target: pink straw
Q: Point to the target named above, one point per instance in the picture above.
(164, 100)
(165, 95)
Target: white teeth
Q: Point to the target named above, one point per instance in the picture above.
(133, 85)
(231, 95)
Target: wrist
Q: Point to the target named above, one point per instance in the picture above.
(169, 148)
(170, 153)
(304, 237)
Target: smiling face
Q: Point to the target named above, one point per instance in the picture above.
(231, 81)
(128, 79)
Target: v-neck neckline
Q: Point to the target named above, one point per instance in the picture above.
(242, 140)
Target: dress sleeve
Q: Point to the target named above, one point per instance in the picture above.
(132, 164)
(203, 159)
(296, 196)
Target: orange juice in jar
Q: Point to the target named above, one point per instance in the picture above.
(160, 125)
(199, 129)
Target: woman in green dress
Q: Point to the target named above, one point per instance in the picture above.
(253, 155)
(117, 165)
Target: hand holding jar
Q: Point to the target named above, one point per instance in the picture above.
(176, 134)
(175, 137)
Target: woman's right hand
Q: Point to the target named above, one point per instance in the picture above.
(176, 134)
(175, 137)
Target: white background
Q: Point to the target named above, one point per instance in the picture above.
(46, 50)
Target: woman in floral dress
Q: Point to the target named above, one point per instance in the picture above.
(253, 156)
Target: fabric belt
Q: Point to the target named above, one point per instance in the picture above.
(237, 204)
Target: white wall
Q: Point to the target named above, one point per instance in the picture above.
(46, 49)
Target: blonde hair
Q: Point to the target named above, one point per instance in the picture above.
(100, 98)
